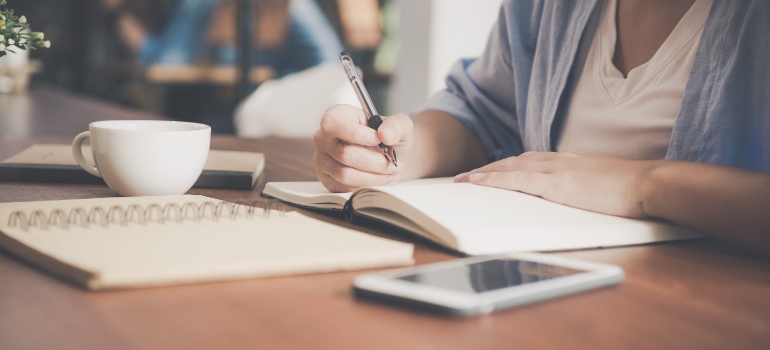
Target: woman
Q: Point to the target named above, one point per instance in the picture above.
(635, 108)
(293, 34)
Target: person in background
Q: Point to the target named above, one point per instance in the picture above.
(361, 25)
(636, 108)
(293, 35)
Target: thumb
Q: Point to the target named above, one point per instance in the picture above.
(396, 128)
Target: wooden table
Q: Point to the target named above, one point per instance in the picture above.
(693, 295)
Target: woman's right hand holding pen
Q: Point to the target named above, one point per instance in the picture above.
(347, 155)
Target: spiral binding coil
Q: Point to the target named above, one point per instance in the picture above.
(188, 211)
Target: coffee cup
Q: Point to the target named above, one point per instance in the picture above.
(145, 157)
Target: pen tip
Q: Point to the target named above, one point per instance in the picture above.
(391, 155)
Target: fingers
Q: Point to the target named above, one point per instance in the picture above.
(337, 177)
(347, 155)
(543, 162)
(531, 182)
(396, 128)
(539, 161)
(348, 123)
(345, 139)
(369, 159)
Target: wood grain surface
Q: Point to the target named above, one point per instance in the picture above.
(694, 295)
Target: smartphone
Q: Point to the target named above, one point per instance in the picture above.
(480, 285)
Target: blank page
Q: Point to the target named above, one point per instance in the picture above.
(314, 194)
(488, 220)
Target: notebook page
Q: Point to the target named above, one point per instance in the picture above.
(314, 194)
(307, 193)
(49, 154)
(488, 220)
(154, 253)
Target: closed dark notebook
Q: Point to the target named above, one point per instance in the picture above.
(54, 163)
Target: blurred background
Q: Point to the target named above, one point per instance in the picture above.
(249, 67)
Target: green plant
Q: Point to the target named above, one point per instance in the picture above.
(14, 33)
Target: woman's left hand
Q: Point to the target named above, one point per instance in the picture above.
(602, 184)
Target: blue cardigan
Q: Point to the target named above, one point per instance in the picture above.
(513, 95)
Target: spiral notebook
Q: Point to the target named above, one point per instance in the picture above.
(478, 220)
(125, 242)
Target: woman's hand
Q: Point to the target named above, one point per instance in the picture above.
(720, 201)
(347, 155)
(601, 184)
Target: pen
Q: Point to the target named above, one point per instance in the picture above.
(372, 118)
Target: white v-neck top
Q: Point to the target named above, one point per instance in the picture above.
(631, 117)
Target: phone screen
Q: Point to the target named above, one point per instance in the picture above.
(489, 275)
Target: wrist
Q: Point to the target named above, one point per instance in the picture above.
(652, 183)
(419, 165)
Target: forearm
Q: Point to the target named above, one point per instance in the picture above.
(442, 147)
(132, 32)
(130, 29)
(727, 203)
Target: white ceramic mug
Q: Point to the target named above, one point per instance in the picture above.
(145, 157)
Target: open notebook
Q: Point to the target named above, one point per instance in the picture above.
(482, 220)
(143, 241)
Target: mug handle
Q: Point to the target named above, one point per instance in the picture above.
(77, 152)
